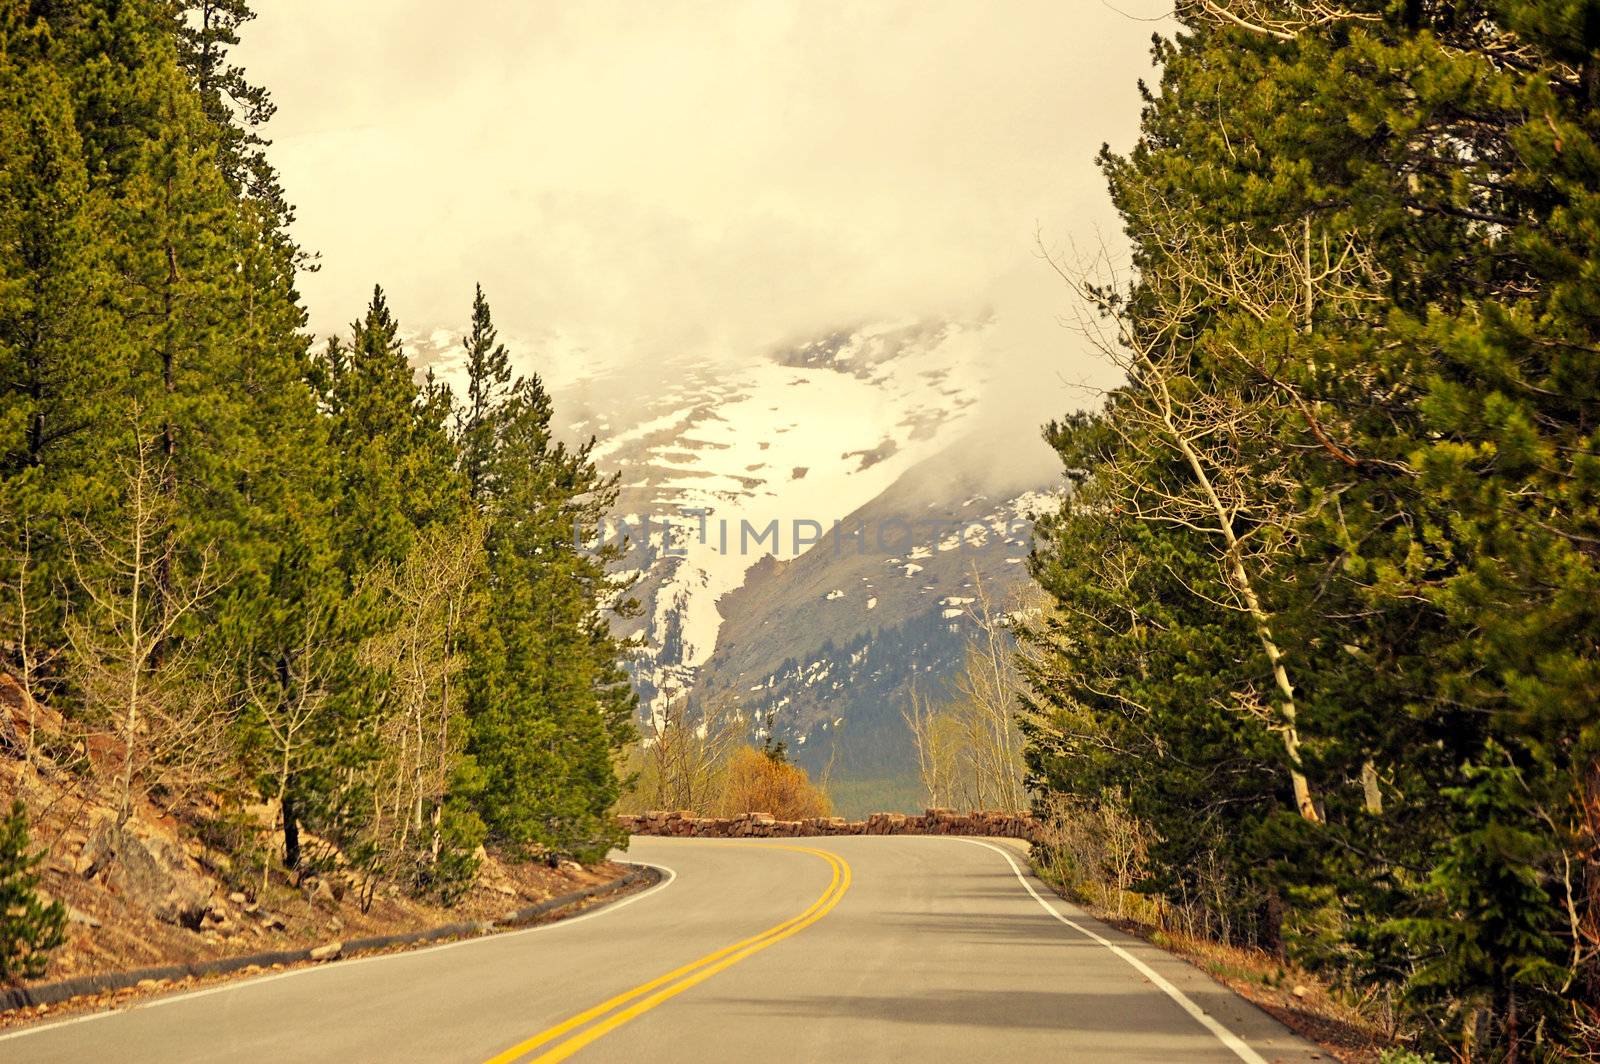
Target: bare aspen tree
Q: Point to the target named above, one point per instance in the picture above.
(1280, 21)
(934, 751)
(1287, 274)
(20, 618)
(1238, 493)
(969, 746)
(683, 758)
(421, 733)
(990, 685)
(164, 725)
(288, 708)
(459, 569)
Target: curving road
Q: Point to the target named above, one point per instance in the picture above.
(837, 949)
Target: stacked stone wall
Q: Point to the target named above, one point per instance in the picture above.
(680, 823)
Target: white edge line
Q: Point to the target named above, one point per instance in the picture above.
(1205, 1019)
(346, 965)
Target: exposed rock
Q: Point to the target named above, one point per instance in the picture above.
(148, 869)
(220, 920)
(78, 916)
(19, 712)
(74, 914)
(237, 897)
(492, 874)
(320, 892)
(327, 952)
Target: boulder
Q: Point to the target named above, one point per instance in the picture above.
(220, 921)
(328, 952)
(150, 870)
(78, 916)
(320, 891)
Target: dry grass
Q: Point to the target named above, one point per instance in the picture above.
(1351, 1031)
(1293, 996)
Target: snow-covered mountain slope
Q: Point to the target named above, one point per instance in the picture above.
(741, 480)
(828, 645)
(734, 465)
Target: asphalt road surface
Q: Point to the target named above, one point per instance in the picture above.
(831, 950)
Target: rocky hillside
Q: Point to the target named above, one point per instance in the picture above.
(178, 884)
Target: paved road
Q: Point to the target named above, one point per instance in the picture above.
(830, 950)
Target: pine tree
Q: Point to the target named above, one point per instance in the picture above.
(148, 278)
(549, 705)
(481, 418)
(55, 362)
(29, 925)
(1437, 589)
(206, 32)
(396, 461)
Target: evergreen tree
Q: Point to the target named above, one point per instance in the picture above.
(546, 697)
(147, 280)
(396, 462)
(29, 925)
(481, 419)
(56, 373)
(1432, 419)
(206, 31)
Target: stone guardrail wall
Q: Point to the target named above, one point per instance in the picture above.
(682, 823)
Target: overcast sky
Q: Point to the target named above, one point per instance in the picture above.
(649, 178)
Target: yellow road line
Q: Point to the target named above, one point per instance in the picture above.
(686, 976)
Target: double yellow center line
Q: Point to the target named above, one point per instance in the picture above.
(614, 1012)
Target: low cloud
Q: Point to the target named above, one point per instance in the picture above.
(646, 181)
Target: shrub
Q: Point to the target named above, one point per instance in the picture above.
(758, 783)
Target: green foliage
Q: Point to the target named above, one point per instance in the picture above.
(1404, 1056)
(400, 647)
(481, 421)
(549, 705)
(29, 926)
(1363, 249)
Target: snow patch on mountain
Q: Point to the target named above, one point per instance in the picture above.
(738, 466)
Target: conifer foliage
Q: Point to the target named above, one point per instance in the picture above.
(251, 571)
(30, 925)
(1325, 589)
